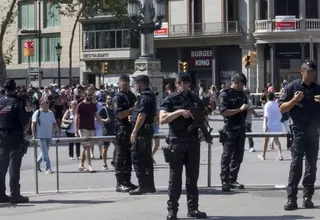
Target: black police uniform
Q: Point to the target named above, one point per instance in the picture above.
(123, 101)
(13, 119)
(142, 148)
(305, 117)
(185, 146)
(233, 145)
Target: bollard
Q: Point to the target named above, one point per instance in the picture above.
(209, 164)
(57, 167)
(36, 179)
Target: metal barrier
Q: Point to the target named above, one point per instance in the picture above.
(62, 141)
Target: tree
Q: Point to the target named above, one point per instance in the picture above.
(9, 12)
(89, 8)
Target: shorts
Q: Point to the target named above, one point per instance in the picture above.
(106, 144)
(99, 132)
(87, 133)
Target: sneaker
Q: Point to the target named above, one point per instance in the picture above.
(91, 170)
(71, 158)
(251, 149)
(279, 158)
(82, 169)
(49, 171)
(105, 167)
(261, 157)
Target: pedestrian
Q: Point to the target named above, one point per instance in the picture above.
(142, 119)
(184, 146)
(233, 107)
(123, 102)
(13, 119)
(301, 99)
(43, 122)
(87, 112)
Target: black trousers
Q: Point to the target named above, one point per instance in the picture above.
(123, 164)
(10, 157)
(305, 142)
(185, 153)
(71, 145)
(232, 155)
(142, 161)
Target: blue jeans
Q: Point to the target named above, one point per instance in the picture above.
(44, 153)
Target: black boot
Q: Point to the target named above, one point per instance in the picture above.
(225, 187)
(291, 205)
(4, 199)
(128, 183)
(236, 185)
(18, 199)
(307, 203)
(121, 185)
(197, 214)
(172, 215)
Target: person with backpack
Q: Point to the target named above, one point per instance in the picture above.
(43, 121)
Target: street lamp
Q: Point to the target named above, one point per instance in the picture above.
(58, 51)
(146, 18)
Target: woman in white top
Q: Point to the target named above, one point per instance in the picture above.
(271, 123)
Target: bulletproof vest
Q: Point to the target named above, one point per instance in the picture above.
(236, 100)
(7, 113)
(127, 103)
(151, 115)
(179, 125)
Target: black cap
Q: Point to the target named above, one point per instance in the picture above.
(183, 77)
(124, 77)
(310, 64)
(143, 79)
(9, 84)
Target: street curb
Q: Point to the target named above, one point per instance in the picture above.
(248, 187)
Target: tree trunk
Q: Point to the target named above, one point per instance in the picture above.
(4, 25)
(71, 43)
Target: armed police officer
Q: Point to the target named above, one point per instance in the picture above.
(142, 118)
(301, 99)
(184, 146)
(233, 105)
(13, 119)
(123, 102)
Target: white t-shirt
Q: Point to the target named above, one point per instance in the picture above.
(271, 111)
(47, 119)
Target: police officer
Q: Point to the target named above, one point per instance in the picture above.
(142, 118)
(301, 99)
(184, 145)
(233, 105)
(13, 119)
(123, 102)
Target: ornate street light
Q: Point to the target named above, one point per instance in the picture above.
(59, 51)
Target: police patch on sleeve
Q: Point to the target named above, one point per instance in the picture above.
(221, 99)
(115, 105)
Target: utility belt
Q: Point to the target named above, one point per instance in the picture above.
(179, 140)
(146, 130)
(230, 127)
(123, 129)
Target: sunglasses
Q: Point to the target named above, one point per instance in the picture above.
(108, 98)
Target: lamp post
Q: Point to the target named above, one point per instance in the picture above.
(58, 51)
(147, 18)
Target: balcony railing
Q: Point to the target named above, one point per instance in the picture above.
(203, 29)
(263, 26)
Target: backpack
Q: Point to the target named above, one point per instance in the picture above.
(29, 132)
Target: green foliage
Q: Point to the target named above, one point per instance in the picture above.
(8, 54)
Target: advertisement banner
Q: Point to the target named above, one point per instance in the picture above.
(163, 32)
(200, 58)
(28, 48)
(285, 23)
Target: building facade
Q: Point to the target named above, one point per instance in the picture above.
(212, 36)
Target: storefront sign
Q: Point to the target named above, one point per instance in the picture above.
(200, 58)
(285, 23)
(226, 75)
(95, 55)
(163, 32)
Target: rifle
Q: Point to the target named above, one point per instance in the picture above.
(201, 122)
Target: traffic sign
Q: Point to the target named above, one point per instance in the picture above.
(28, 48)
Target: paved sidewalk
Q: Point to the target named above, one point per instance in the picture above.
(108, 205)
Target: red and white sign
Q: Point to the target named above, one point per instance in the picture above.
(285, 23)
(200, 58)
(163, 32)
(28, 48)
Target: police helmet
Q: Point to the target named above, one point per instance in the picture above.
(239, 78)
(9, 85)
(183, 77)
